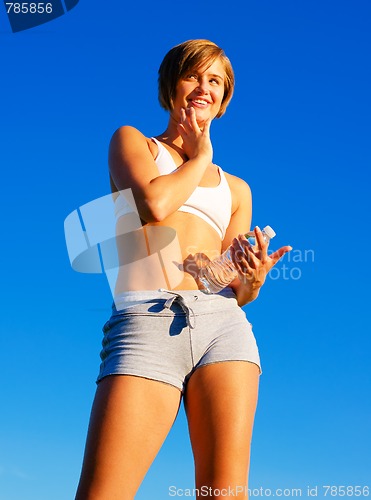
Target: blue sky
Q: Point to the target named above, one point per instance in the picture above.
(297, 130)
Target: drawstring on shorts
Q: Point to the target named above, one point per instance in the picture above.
(190, 315)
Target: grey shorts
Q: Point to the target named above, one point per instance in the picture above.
(166, 335)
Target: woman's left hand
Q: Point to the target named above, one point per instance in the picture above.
(253, 262)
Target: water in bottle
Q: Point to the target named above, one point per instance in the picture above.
(221, 271)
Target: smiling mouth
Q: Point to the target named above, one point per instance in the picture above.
(199, 103)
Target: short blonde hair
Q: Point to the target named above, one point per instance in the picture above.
(189, 56)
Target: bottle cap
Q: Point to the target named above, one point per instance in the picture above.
(269, 232)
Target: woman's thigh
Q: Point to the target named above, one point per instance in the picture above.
(130, 419)
(220, 402)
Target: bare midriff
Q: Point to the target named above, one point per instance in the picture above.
(166, 254)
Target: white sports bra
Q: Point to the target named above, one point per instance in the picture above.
(212, 204)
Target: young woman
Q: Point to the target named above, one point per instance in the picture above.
(167, 339)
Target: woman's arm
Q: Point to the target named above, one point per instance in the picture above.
(240, 224)
(157, 196)
(252, 263)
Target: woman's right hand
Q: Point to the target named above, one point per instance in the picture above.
(196, 141)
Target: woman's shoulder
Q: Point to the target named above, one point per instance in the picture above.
(238, 185)
(240, 190)
(130, 137)
(128, 133)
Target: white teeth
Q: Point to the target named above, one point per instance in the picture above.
(200, 101)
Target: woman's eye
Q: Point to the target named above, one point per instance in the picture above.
(192, 77)
(215, 81)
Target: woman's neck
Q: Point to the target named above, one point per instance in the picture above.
(171, 135)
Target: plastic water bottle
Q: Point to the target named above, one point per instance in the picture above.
(221, 271)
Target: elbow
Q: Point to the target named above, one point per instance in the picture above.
(154, 211)
(153, 216)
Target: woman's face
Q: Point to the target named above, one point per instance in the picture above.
(201, 89)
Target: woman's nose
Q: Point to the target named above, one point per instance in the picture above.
(203, 86)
